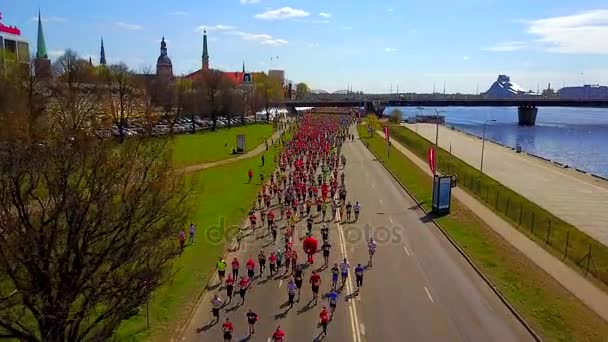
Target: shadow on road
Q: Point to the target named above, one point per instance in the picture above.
(206, 327)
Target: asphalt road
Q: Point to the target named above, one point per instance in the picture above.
(419, 288)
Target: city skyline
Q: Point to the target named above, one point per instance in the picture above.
(332, 46)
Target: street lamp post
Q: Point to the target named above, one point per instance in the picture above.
(483, 143)
(437, 134)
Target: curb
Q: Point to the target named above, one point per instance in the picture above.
(212, 276)
(493, 287)
(599, 177)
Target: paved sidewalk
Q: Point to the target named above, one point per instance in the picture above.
(258, 150)
(584, 290)
(576, 198)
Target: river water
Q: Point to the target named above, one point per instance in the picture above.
(577, 137)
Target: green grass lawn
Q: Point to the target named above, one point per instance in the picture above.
(222, 195)
(207, 146)
(550, 232)
(552, 311)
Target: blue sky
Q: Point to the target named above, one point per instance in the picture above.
(331, 44)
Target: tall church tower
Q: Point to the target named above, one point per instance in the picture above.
(102, 54)
(164, 68)
(205, 52)
(42, 64)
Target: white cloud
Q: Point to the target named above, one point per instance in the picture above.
(325, 15)
(466, 58)
(127, 26)
(282, 13)
(49, 19)
(581, 33)
(55, 53)
(313, 45)
(274, 42)
(346, 28)
(507, 46)
(262, 38)
(245, 2)
(178, 13)
(390, 50)
(213, 28)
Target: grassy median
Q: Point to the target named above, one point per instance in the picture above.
(207, 146)
(222, 199)
(556, 236)
(549, 308)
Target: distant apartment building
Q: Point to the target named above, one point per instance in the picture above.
(586, 92)
(11, 41)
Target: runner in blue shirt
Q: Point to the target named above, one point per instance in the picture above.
(332, 296)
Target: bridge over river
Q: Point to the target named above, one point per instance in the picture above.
(527, 106)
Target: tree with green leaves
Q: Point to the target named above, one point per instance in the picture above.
(396, 116)
(269, 90)
(302, 90)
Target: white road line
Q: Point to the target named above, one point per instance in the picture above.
(352, 309)
(428, 293)
(280, 282)
(362, 328)
(390, 219)
(381, 203)
(406, 251)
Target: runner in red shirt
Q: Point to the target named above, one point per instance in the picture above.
(229, 287)
(272, 260)
(324, 318)
(278, 335)
(250, 268)
(252, 220)
(228, 328)
(315, 281)
(243, 286)
(235, 268)
(250, 174)
(270, 217)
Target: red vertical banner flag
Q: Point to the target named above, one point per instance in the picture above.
(431, 157)
(386, 134)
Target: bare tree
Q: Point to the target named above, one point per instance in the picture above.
(87, 231)
(212, 86)
(75, 93)
(122, 96)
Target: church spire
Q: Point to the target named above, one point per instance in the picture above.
(243, 67)
(205, 52)
(102, 54)
(41, 47)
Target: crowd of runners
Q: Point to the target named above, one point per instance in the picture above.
(309, 183)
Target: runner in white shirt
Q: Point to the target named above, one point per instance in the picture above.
(371, 248)
(344, 267)
(216, 304)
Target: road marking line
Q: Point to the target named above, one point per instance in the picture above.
(362, 328)
(280, 282)
(406, 251)
(390, 219)
(381, 203)
(349, 287)
(428, 293)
